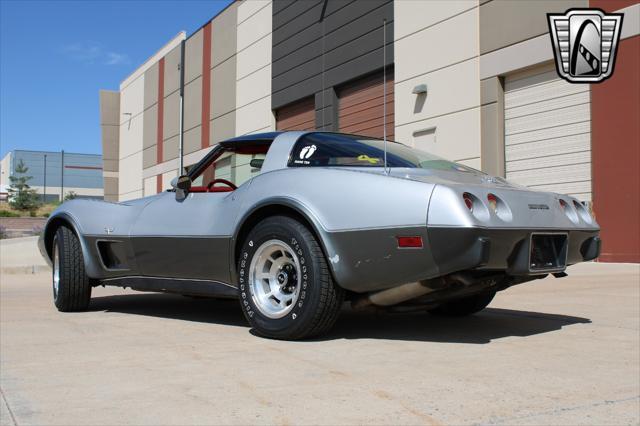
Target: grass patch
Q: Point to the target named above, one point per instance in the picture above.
(43, 210)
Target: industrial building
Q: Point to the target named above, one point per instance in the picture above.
(55, 173)
(472, 81)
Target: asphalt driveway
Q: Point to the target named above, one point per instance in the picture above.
(557, 351)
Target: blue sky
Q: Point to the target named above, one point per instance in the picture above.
(56, 55)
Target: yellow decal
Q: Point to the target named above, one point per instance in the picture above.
(369, 159)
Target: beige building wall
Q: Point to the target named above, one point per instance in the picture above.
(239, 97)
(436, 43)
(137, 104)
(5, 170)
(514, 36)
(110, 127)
(222, 99)
(463, 50)
(253, 69)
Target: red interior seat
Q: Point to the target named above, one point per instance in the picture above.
(221, 189)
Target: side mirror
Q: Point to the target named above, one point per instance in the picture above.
(182, 185)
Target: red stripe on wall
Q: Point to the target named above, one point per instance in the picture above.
(159, 184)
(83, 167)
(206, 85)
(615, 154)
(160, 135)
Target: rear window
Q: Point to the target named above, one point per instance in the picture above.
(340, 150)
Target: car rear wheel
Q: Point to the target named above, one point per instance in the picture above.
(71, 285)
(286, 289)
(465, 306)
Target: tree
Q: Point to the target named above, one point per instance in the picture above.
(21, 195)
(71, 195)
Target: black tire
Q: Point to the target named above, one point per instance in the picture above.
(319, 299)
(465, 306)
(74, 286)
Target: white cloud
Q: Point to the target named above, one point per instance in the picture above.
(114, 58)
(91, 53)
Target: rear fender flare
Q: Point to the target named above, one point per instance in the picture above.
(285, 203)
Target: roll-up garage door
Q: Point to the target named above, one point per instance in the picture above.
(548, 133)
(361, 106)
(297, 116)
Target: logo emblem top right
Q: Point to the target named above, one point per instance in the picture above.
(585, 42)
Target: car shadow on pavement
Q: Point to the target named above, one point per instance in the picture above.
(488, 325)
(184, 308)
(483, 327)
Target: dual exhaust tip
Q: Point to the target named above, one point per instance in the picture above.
(409, 291)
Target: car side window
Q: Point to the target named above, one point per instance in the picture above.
(232, 166)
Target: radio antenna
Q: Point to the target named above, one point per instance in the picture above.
(324, 9)
(384, 92)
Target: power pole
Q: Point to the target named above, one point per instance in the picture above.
(62, 176)
(181, 123)
(44, 196)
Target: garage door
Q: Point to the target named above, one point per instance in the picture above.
(547, 133)
(361, 107)
(297, 116)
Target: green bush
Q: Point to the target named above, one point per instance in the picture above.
(8, 213)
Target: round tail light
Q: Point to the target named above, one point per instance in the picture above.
(568, 210)
(493, 202)
(468, 200)
(582, 212)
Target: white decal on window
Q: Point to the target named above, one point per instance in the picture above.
(307, 151)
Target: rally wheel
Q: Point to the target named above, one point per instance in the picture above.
(286, 288)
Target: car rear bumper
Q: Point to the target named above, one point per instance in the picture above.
(370, 260)
(457, 249)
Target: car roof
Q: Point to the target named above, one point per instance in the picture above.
(253, 137)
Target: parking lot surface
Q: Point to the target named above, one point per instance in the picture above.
(556, 351)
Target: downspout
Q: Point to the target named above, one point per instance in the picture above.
(181, 134)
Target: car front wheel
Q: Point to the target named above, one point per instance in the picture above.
(286, 289)
(71, 285)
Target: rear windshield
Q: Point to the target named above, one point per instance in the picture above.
(340, 150)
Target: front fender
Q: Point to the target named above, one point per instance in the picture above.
(45, 242)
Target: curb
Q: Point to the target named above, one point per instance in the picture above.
(25, 270)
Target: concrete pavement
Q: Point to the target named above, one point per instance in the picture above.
(21, 256)
(556, 351)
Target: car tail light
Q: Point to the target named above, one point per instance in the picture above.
(583, 212)
(493, 202)
(563, 204)
(569, 211)
(409, 242)
(468, 200)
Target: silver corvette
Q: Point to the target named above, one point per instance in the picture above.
(292, 224)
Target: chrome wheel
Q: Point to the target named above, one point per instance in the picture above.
(274, 278)
(56, 270)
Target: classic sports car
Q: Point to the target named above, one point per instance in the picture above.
(294, 223)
